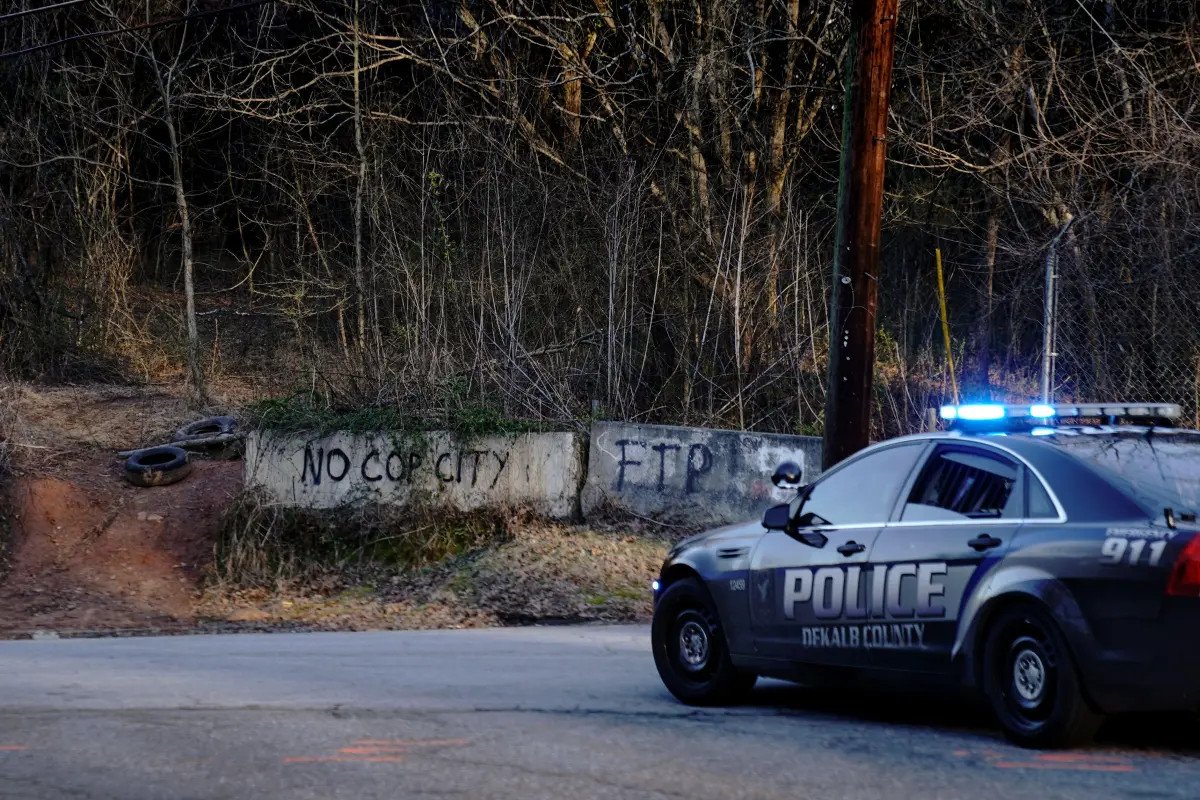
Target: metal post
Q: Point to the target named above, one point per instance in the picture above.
(1048, 326)
(1050, 314)
(856, 245)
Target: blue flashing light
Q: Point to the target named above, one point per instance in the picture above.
(1046, 414)
(1043, 432)
(655, 586)
(980, 412)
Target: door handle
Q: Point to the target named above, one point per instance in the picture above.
(850, 548)
(984, 542)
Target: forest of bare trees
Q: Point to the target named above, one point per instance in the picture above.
(563, 208)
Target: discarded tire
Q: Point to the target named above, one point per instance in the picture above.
(205, 428)
(157, 466)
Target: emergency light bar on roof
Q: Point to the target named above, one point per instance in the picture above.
(998, 416)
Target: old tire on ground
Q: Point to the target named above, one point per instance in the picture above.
(1032, 684)
(157, 466)
(690, 650)
(204, 428)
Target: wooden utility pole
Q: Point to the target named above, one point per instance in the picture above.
(856, 246)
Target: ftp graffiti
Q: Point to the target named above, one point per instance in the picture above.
(697, 462)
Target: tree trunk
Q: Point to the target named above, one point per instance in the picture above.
(983, 324)
(197, 390)
(360, 287)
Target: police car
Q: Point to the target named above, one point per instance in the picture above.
(1046, 555)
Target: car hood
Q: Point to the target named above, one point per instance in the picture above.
(710, 538)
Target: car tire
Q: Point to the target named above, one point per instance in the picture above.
(157, 466)
(690, 651)
(206, 428)
(1031, 682)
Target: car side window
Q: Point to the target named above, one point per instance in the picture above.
(1040, 504)
(863, 491)
(959, 483)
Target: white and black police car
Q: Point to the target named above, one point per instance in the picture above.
(1046, 555)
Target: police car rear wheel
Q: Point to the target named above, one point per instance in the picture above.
(1032, 684)
(689, 648)
(1029, 673)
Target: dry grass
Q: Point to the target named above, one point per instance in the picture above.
(381, 568)
(48, 427)
(266, 545)
(551, 571)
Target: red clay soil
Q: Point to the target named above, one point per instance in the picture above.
(89, 551)
(99, 553)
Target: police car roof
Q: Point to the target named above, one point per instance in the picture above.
(1077, 460)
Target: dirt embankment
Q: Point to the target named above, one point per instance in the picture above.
(111, 557)
(87, 550)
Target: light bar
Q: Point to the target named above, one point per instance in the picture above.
(973, 412)
(988, 412)
(1159, 410)
(980, 412)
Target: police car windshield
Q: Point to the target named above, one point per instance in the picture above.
(1161, 466)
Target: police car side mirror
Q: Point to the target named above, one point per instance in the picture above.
(778, 518)
(788, 475)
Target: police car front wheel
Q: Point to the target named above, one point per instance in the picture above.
(690, 650)
(1031, 682)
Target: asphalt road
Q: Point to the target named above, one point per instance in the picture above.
(563, 712)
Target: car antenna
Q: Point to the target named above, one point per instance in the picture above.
(1169, 514)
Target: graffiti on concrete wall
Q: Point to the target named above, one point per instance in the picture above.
(645, 469)
(690, 472)
(482, 468)
(696, 458)
(542, 471)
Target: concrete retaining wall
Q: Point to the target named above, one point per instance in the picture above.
(697, 475)
(693, 474)
(542, 471)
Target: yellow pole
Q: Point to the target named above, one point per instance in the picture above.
(946, 324)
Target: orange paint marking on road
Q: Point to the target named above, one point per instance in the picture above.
(1075, 766)
(380, 751)
(1079, 762)
(12, 748)
(396, 759)
(1082, 758)
(413, 742)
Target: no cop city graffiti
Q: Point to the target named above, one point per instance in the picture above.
(472, 467)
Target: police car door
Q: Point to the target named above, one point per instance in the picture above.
(806, 601)
(958, 517)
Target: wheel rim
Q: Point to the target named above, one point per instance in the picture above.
(1029, 674)
(693, 646)
(1029, 677)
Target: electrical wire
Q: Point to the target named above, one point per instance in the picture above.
(143, 27)
(28, 11)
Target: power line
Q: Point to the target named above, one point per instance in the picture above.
(142, 27)
(39, 10)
